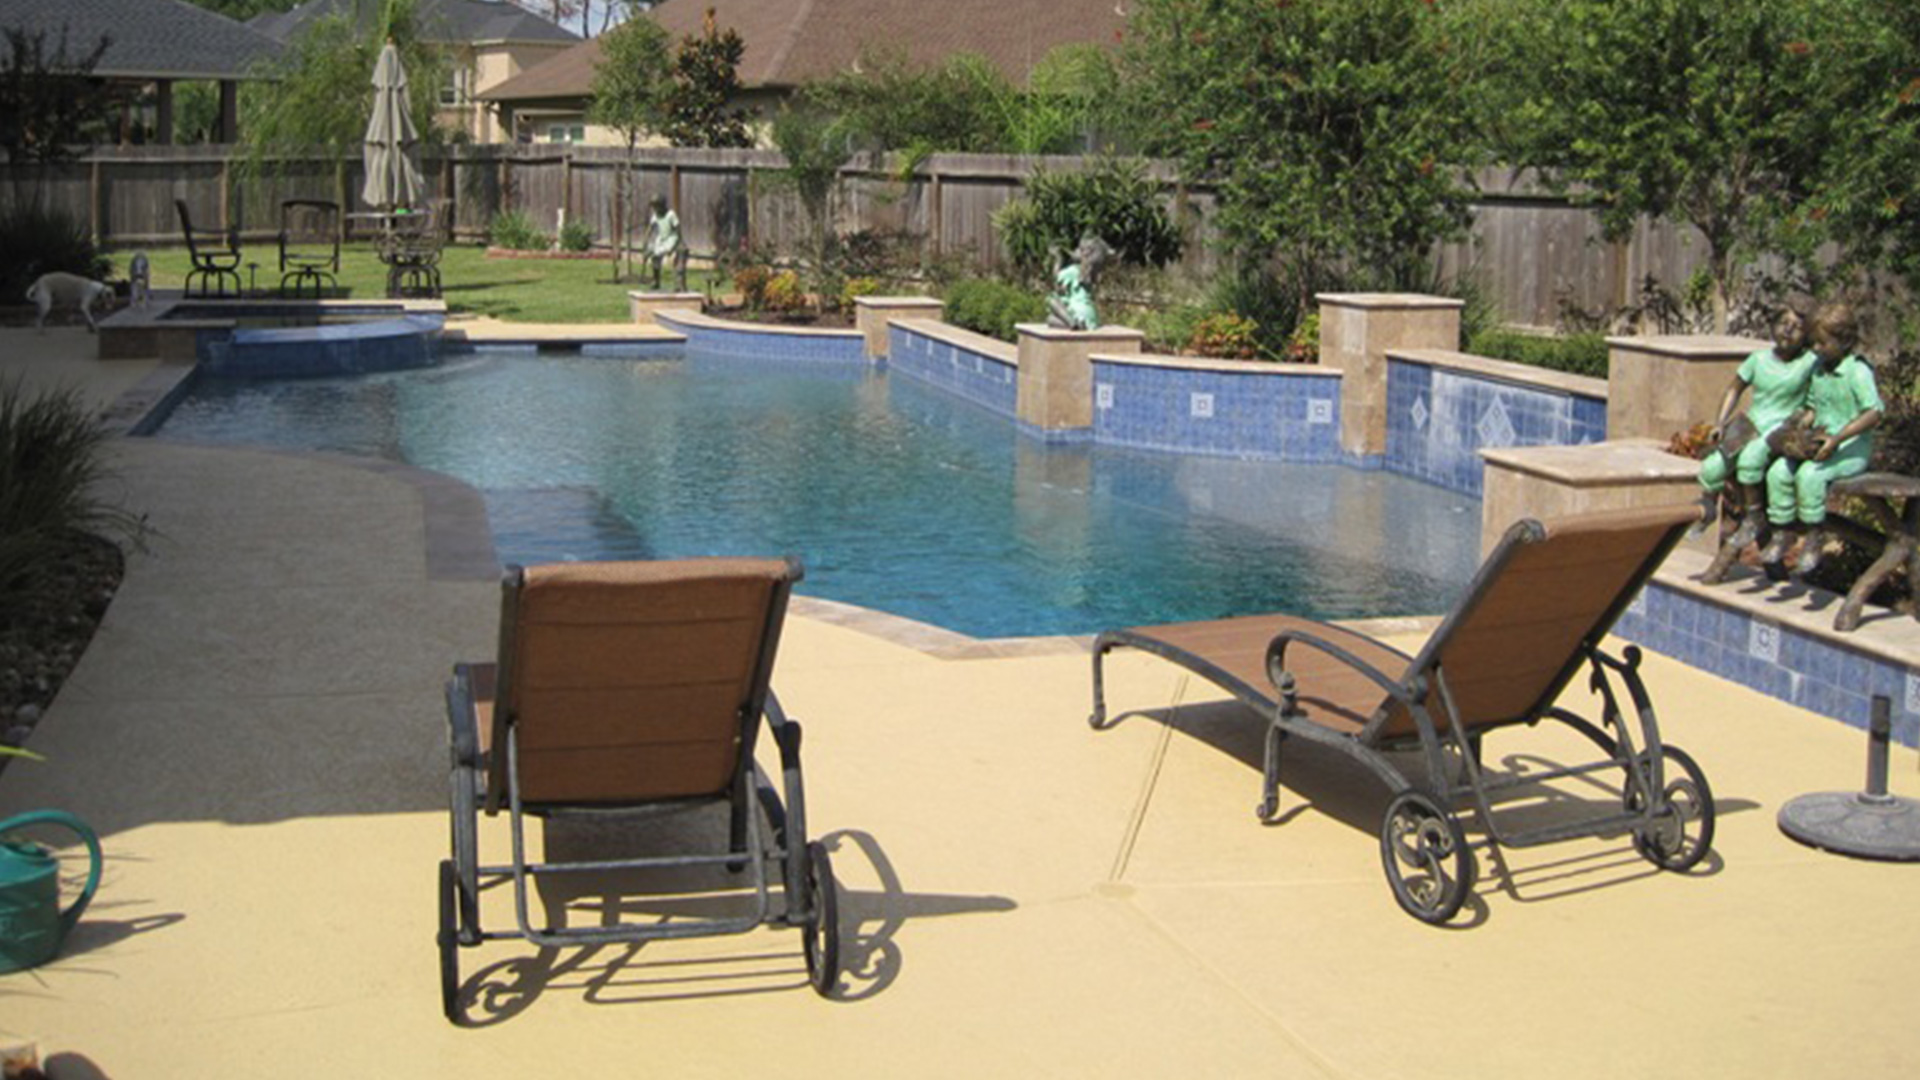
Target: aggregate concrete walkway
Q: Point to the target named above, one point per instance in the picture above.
(257, 733)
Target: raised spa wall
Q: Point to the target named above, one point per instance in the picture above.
(1393, 392)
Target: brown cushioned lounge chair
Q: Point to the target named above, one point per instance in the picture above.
(1534, 615)
(623, 686)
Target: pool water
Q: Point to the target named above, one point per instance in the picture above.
(897, 497)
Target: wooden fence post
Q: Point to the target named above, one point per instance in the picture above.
(93, 202)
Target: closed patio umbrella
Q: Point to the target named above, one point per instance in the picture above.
(393, 179)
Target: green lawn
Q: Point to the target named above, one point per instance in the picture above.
(517, 290)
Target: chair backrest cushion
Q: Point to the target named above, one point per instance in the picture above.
(1549, 588)
(635, 681)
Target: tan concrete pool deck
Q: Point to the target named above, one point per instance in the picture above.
(257, 734)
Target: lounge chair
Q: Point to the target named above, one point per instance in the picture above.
(309, 246)
(1535, 613)
(630, 686)
(215, 255)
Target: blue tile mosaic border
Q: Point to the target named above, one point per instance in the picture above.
(1777, 659)
(800, 348)
(1439, 419)
(984, 380)
(1284, 415)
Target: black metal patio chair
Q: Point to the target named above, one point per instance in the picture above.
(309, 246)
(215, 255)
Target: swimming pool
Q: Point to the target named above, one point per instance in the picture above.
(898, 497)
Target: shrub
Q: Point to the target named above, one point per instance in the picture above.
(41, 241)
(784, 293)
(1169, 328)
(513, 231)
(575, 236)
(1580, 354)
(752, 280)
(993, 308)
(50, 462)
(1114, 200)
(854, 287)
(1225, 336)
(1303, 345)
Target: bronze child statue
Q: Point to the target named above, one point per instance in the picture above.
(1778, 376)
(664, 243)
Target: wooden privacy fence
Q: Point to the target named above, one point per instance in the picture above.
(1532, 250)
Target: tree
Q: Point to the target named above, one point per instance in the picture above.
(1336, 133)
(319, 92)
(706, 73)
(630, 89)
(1867, 61)
(815, 147)
(1706, 112)
(50, 103)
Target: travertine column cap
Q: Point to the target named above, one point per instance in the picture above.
(1690, 346)
(1390, 301)
(1105, 333)
(928, 302)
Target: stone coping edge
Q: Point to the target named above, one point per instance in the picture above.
(698, 321)
(966, 339)
(1204, 363)
(1505, 371)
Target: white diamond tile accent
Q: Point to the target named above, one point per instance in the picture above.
(1420, 415)
(1494, 427)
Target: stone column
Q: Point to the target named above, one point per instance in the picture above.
(873, 314)
(1356, 331)
(1659, 386)
(642, 305)
(1553, 481)
(1055, 391)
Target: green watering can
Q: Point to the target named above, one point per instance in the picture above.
(32, 926)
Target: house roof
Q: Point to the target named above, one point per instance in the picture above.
(441, 21)
(791, 41)
(148, 39)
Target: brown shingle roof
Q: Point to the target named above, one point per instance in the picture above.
(791, 41)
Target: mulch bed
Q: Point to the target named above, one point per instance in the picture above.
(44, 634)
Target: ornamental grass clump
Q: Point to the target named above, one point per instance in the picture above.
(50, 471)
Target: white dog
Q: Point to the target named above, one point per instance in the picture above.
(67, 290)
(139, 280)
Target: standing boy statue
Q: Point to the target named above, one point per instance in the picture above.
(664, 242)
(1778, 376)
(1845, 407)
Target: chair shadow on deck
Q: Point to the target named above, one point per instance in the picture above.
(632, 973)
(1322, 780)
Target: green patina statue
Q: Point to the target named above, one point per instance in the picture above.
(1778, 377)
(664, 243)
(1070, 306)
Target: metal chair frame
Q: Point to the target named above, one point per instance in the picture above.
(301, 267)
(805, 872)
(1656, 812)
(211, 266)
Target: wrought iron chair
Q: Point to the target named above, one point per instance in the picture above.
(411, 249)
(625, 687)
(215, 256)
(309, 245)
(1535, 614)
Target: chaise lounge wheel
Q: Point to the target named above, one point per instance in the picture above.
(1681, 836)
(823, 929)
(1426, 857)
(449, 943)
